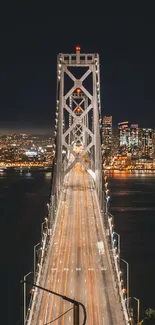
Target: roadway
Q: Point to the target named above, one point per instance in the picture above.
(77, 264)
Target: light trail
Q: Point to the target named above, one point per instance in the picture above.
(74, 260)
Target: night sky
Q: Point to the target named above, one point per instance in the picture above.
(29, 47)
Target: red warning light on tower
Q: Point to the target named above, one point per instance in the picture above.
(78, 90)
(78, 48)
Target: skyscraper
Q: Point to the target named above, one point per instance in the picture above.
(134, 135)
(124, 135)
(146, 142)
(107, 134)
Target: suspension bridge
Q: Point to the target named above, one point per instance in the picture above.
(77, 257)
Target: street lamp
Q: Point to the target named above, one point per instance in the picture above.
(42, 226)
(138, 307)
(127, 264)
(119, 242)
(34, 260)
(25, 276)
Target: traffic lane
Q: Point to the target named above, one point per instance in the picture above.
(112, 309)
(70, 287)
(46, 277)
(70, 263)
(75, 287)
(87, 288)
(100, 285)
(84, 256)
(63, 264)
(57, 250)
(99, 306)
(76, 282)
(91, 246)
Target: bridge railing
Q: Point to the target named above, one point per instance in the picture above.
(45, 240)
(116, 262)
(38, 273)
(108, 221)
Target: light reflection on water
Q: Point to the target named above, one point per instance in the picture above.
(23, 204)
(133, 207)
(131, 174)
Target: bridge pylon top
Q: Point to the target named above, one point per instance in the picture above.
(78, 58)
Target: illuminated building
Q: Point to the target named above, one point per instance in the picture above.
(107, 134)
(31, 153)
(124, 135)
(146, 142)
(134, 135)
(154, 143)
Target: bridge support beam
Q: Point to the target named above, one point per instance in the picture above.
(79, 111)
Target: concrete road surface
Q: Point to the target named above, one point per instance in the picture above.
(77, 262)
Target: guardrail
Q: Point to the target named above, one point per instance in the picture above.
(116, 258)
(46, 235)
(108, 220)
(38, 276)
(53, 210)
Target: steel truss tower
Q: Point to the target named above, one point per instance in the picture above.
(78, 115)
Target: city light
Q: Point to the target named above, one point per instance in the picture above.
(28, 151)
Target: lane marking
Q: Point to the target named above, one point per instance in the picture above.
(47, 308)
(100, 246)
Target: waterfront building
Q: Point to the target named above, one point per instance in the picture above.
(124, 135)
(146, 142)
(107, 134)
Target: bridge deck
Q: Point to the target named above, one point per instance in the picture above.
(77, 264)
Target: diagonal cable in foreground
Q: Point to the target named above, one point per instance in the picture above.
(59, 316)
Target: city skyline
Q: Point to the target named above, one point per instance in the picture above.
(28, 74)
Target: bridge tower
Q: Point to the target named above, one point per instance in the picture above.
(78, 113)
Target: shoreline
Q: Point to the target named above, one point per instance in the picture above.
(25, 169)
(49, 169)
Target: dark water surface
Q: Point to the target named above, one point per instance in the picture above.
(133, 206)
(23, 199)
